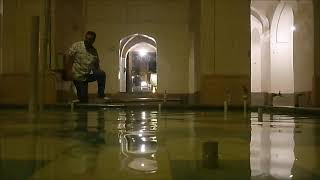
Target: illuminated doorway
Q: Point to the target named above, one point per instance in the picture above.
(272, 53)
(138, 64)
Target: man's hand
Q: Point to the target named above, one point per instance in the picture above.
(67, 68)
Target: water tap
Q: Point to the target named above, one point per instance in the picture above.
(276, 94)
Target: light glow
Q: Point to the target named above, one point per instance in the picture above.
(143, 115)
(144, 84)
(142, 52)
(153, 79)
(143, 148)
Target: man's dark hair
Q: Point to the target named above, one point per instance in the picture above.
(92, 33)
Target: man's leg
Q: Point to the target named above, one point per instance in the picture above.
(100, 77)
(82, 90)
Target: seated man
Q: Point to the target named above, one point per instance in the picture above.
(85, 67)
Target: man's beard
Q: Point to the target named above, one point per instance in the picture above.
(87, 44)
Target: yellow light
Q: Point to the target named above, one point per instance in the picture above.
(143, 52)
(143, 148)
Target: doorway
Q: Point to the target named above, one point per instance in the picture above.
(273, 52)
(138, 64)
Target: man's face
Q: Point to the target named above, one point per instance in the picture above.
(89, 40)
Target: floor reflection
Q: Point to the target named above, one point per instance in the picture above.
(120, 144)
(138, 141)
(272, 147)
(90, 129)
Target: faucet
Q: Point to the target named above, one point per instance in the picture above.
(274, 95)
(165, 96)
(245, 98)
(296, 99)
(245, 92)
(227, 94)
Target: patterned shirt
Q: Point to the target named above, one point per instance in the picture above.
(85, 60)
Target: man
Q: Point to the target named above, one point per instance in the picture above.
(86, 67)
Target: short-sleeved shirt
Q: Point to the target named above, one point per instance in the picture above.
(85, 61)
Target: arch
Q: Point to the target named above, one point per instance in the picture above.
(282, 76)
(260, 56)
(261, 18)
(128, 44)
(131, 40)
(256, 55)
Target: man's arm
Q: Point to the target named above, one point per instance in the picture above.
(97, 64)
(68, 60)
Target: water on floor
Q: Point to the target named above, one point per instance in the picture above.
(168, 145)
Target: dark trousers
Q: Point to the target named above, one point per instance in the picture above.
(82, 86)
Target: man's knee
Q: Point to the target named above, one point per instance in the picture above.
(101, 74)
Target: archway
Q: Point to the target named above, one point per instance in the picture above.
(272, 53)
(260, 57)
(282, 28)
(256, 66)
(138, 64)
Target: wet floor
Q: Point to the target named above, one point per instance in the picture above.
(171, 145)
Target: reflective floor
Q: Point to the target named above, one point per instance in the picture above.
(171, 145)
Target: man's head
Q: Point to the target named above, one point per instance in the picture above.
(89, 39)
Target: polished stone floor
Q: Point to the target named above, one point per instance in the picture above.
(117, 144)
